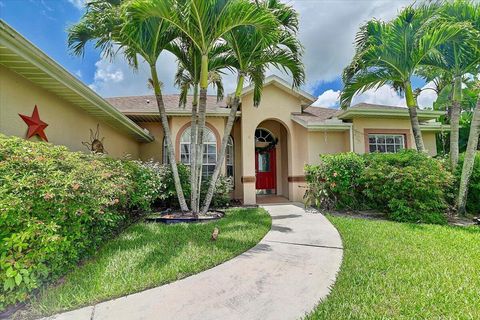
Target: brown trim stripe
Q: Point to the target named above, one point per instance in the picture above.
(296, 179)
(248, 179)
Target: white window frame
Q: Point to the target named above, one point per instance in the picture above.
(230, 158)
(386, 143)
(209, 150)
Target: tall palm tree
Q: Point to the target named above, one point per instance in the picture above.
(473, 142)
(107, 24)
(205, 23)
(251, 54)
(458, 59)
(473, 139)
(391, 52)
(187, 79)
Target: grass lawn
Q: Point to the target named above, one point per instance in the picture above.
(151, 254)
(405, 271)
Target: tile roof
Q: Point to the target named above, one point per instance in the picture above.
(148, 104)
(315, 115)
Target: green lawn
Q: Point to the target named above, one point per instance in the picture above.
(405, 271)
(150, 254)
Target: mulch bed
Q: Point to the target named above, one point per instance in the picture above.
(180, 217)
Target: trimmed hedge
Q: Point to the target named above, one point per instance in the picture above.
(408, 186)
(57, 206)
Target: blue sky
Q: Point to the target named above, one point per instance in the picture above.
(327, 30)
(44, 23)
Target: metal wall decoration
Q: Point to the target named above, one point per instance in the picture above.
(95, 144)
(35, 125)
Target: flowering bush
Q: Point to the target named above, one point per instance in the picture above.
(57, 206)
(408, 186)
(334, 183)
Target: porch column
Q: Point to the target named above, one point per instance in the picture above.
(248, 161)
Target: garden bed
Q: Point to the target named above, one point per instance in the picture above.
(169, 217)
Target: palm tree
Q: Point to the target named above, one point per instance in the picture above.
(205, 23)
(473, 139)
(251, 54)
(106, 23)
(187, 79)
(458, 59)
(469, 160)
(392, 52)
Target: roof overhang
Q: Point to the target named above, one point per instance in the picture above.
(327, 125)
(22, 57)
(306, 98)
(154, 116)
(423, 115)
(434, 127)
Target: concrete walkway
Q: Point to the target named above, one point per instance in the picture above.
(282, 277)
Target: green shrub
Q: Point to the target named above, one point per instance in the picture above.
(408, 186)
(473, 196)
(57, 206)
(334, 183)
(221, 196)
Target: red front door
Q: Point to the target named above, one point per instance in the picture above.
(265, 168)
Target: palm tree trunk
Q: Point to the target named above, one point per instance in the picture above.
(201, 126)
(193, 151)
(412, 110)
(201, 132)
(455, 122)
(469, 159)
(168, 139)
(223, 147)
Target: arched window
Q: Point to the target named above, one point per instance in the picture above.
(263, 135)
(230, 158)
(209, 150)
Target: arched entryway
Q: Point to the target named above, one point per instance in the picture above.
(271, 162)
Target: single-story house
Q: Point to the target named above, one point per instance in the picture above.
(269, 144)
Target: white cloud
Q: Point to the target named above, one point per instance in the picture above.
(328, 99)
(328, 28)
(427, 97)
(327, 31)
(117, 78)
(79, 4)
(385, 95)
(79, 73)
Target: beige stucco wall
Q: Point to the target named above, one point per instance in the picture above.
(276, 105)
(360, 124)
(327, 142)
(152, 150)
(68, 124)
(430, 142)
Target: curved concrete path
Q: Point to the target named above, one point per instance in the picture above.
(282, 277)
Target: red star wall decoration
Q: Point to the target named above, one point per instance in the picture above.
(35, 125)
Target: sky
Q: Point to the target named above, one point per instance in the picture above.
(327, 31)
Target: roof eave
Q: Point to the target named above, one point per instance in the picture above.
(322, 126)
(23, 49)
(306, 98)
(422, 114)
